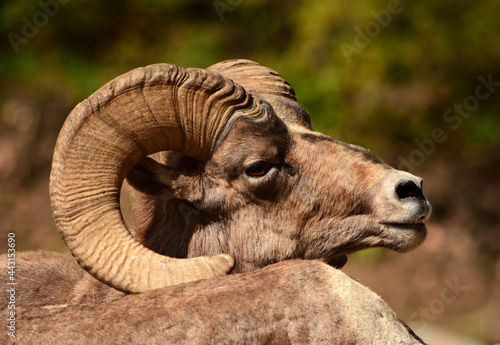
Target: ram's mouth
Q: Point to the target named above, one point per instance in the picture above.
(416, 226)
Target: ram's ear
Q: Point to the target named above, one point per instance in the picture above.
(152, 178)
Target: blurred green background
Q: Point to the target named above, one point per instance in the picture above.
(402, 78)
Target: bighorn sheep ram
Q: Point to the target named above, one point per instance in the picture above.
(243, 183)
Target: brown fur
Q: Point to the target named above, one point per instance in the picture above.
(45, 278)
(294, 302)
(318, 199)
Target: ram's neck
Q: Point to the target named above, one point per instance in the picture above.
(176, 228)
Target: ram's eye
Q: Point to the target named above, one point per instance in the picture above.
(258, 169)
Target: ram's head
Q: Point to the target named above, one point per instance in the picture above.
(243, 181)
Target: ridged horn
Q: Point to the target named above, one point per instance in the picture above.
(268, 85)
(150, 109)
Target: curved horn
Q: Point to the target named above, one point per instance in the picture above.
(150, 109)
(266, 84)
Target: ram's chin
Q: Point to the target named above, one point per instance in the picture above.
(403, 237)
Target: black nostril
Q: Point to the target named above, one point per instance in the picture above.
(408, 189)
